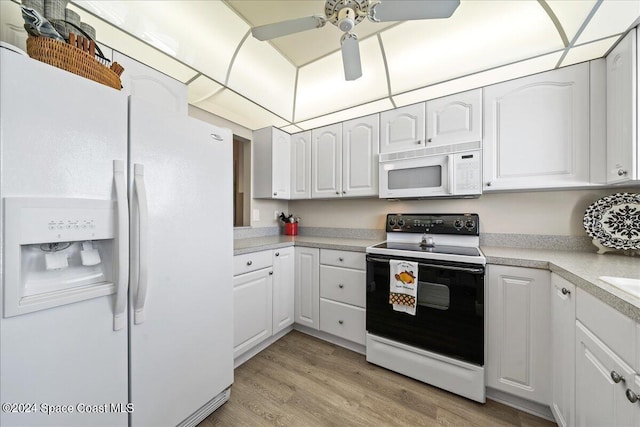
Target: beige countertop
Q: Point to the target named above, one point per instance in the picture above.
(581, 268)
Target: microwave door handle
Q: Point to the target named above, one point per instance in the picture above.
(450, 179)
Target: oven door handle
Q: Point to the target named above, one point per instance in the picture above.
(443, 267)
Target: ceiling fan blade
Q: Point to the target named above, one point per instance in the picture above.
(409, 10)
(279, 29)
(351, 57)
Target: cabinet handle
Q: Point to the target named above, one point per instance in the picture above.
(419, 142)
(616, 377)
(337, 192)
(340, 259)
(275, 194)
(566, 291)
(631, 396)
(621, 172)
(271, 273)
(341, 286)
(277, 253)
(340, 322)
(430, 140)
(344, 192)
(489, 184)
(249, 262)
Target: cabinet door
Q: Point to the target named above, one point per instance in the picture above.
(281, 164)
(326, 146)
(518, 332)
(563, 319)
(600, 401)
(301, 165)
(307, 287)
(252, 309)
(402, 128)
(455, 118)
(144, 82)
(283, 288)
(537, 131)
(360, 146)
(622, 155)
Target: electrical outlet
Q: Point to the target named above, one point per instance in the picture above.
(276, 214)
(256, 214)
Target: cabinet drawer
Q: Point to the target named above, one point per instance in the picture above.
(612, 327)
(343, 259)
(345, 321)
(251, 262)
(343, 285)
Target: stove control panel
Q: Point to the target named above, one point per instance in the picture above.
(457, 224)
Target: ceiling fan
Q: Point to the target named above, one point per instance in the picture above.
(346, 14)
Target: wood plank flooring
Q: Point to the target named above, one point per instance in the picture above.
(304, 381)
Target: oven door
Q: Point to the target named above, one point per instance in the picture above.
(430, 176)
(449, 317)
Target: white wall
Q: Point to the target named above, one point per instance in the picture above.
(543, 212)
(264, 208)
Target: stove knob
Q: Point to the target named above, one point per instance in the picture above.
(392, 222)
(469, 224)
(458, 224)
(401, 222)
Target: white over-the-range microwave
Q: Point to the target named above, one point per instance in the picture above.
(442, 171)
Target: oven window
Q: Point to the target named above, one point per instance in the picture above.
(433, 295)
(422, 177)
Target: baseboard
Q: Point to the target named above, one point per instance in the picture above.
(207, 409)
(349, 345)
(258, 348)
(524, 405)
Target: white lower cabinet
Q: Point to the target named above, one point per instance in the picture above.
(283, 288)
(343, 294)
(263, 296)
(518, 329)
(607, 385)
(602, 380)
(563, 317)
(307, 287)
(252, 309)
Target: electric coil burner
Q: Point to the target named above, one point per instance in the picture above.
(443, 342)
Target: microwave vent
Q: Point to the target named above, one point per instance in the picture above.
(431, 151)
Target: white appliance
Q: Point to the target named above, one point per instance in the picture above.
(445, 171)
(100, 192)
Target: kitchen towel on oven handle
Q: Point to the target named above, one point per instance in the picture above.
(403, 285)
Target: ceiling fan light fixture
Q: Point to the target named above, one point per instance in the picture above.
(346, 19)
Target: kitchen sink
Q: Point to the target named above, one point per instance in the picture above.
(630, 286)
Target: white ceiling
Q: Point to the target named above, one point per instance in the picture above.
(296, 82)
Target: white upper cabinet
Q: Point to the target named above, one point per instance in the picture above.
(360, 146)
(402, 128)
(622, 115)
(326, 155)
(301, 165)
(455, 118)
(142, 81)
(271, 163)
(536, 131)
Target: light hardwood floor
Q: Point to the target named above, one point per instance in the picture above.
(304, 381)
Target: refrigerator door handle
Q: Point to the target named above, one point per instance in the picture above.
(143, 216)
(123, 245)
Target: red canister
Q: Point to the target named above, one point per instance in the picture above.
(291, 228)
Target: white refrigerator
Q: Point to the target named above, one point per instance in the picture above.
(116, 256)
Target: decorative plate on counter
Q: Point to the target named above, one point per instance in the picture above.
(614, 221)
